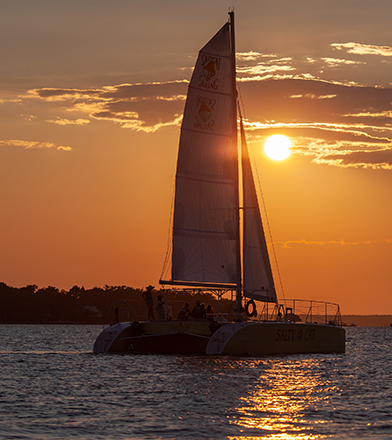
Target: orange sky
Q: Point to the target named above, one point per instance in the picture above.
(91, 97)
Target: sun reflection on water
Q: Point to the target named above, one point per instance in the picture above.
(285, 404)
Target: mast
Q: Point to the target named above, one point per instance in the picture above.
(235, 142)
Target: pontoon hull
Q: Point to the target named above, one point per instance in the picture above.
(272, 338)
(237, 339)
(171, 337)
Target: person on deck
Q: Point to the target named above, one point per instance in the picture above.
(198, 311)
(160, 309)
(147, 296)
(184, 313)
(209, 312)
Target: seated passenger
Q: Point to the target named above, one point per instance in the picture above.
(209, 312)
(198, 311)
(184, 313)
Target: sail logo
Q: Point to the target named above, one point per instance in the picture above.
(204, 117)
(210, 68)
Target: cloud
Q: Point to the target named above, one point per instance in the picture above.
(141, 107)
(334, 62)
(336, 125)
(256, 66)
(288, 244)
(53, 94)
(364, 49)
(371, 114)
(28, 117)
(274, 76)
(12, 100)
(312, 96)
(253, 56)
(341, 125)
(61, 121)
(378, 159)
(33, 145)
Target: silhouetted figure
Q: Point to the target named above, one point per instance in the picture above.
(116, 319)
(209, 312)
(198, 311)
(184, 313)
(160, 309)
(147, 295)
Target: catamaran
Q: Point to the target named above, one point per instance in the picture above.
(218, 242)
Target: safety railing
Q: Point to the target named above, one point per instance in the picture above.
(298, 310)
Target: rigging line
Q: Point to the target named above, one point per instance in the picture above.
(242, 111)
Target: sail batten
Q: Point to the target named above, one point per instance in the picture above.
(215, 92)
(199, 179)
(210, 134)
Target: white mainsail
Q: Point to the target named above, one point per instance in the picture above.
(204, 226)
(206, 248)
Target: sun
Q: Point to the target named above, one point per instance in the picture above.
(277, 147)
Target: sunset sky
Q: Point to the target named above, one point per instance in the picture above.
(91, 100)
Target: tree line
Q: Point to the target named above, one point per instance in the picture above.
(46, 305)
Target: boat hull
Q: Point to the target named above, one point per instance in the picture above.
(170, 337)
(167, 343)
(237, 339)
(272, 338)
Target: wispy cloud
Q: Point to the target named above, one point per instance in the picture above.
(273, 75)
(12, 100)
(312, 96)
(258, 66)
(62, 121)
(364, 49)
(33, 145)
(253, 56)
(61, 94)
(288, 244)
(335, 125)
(370, 114)
(334, 62)
(28, 117)
(255, 66)
(369, 159)
(141, 107)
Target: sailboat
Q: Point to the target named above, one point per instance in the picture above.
(218, 242)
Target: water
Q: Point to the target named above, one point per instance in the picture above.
(53, 387)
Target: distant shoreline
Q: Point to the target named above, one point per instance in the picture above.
(348, 320)
(367, 320)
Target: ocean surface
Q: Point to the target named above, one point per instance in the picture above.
(53, 387)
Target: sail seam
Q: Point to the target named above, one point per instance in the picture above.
(196, 179)
(228, 57)
(214, 92)
(202, 231)
(199, 132)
